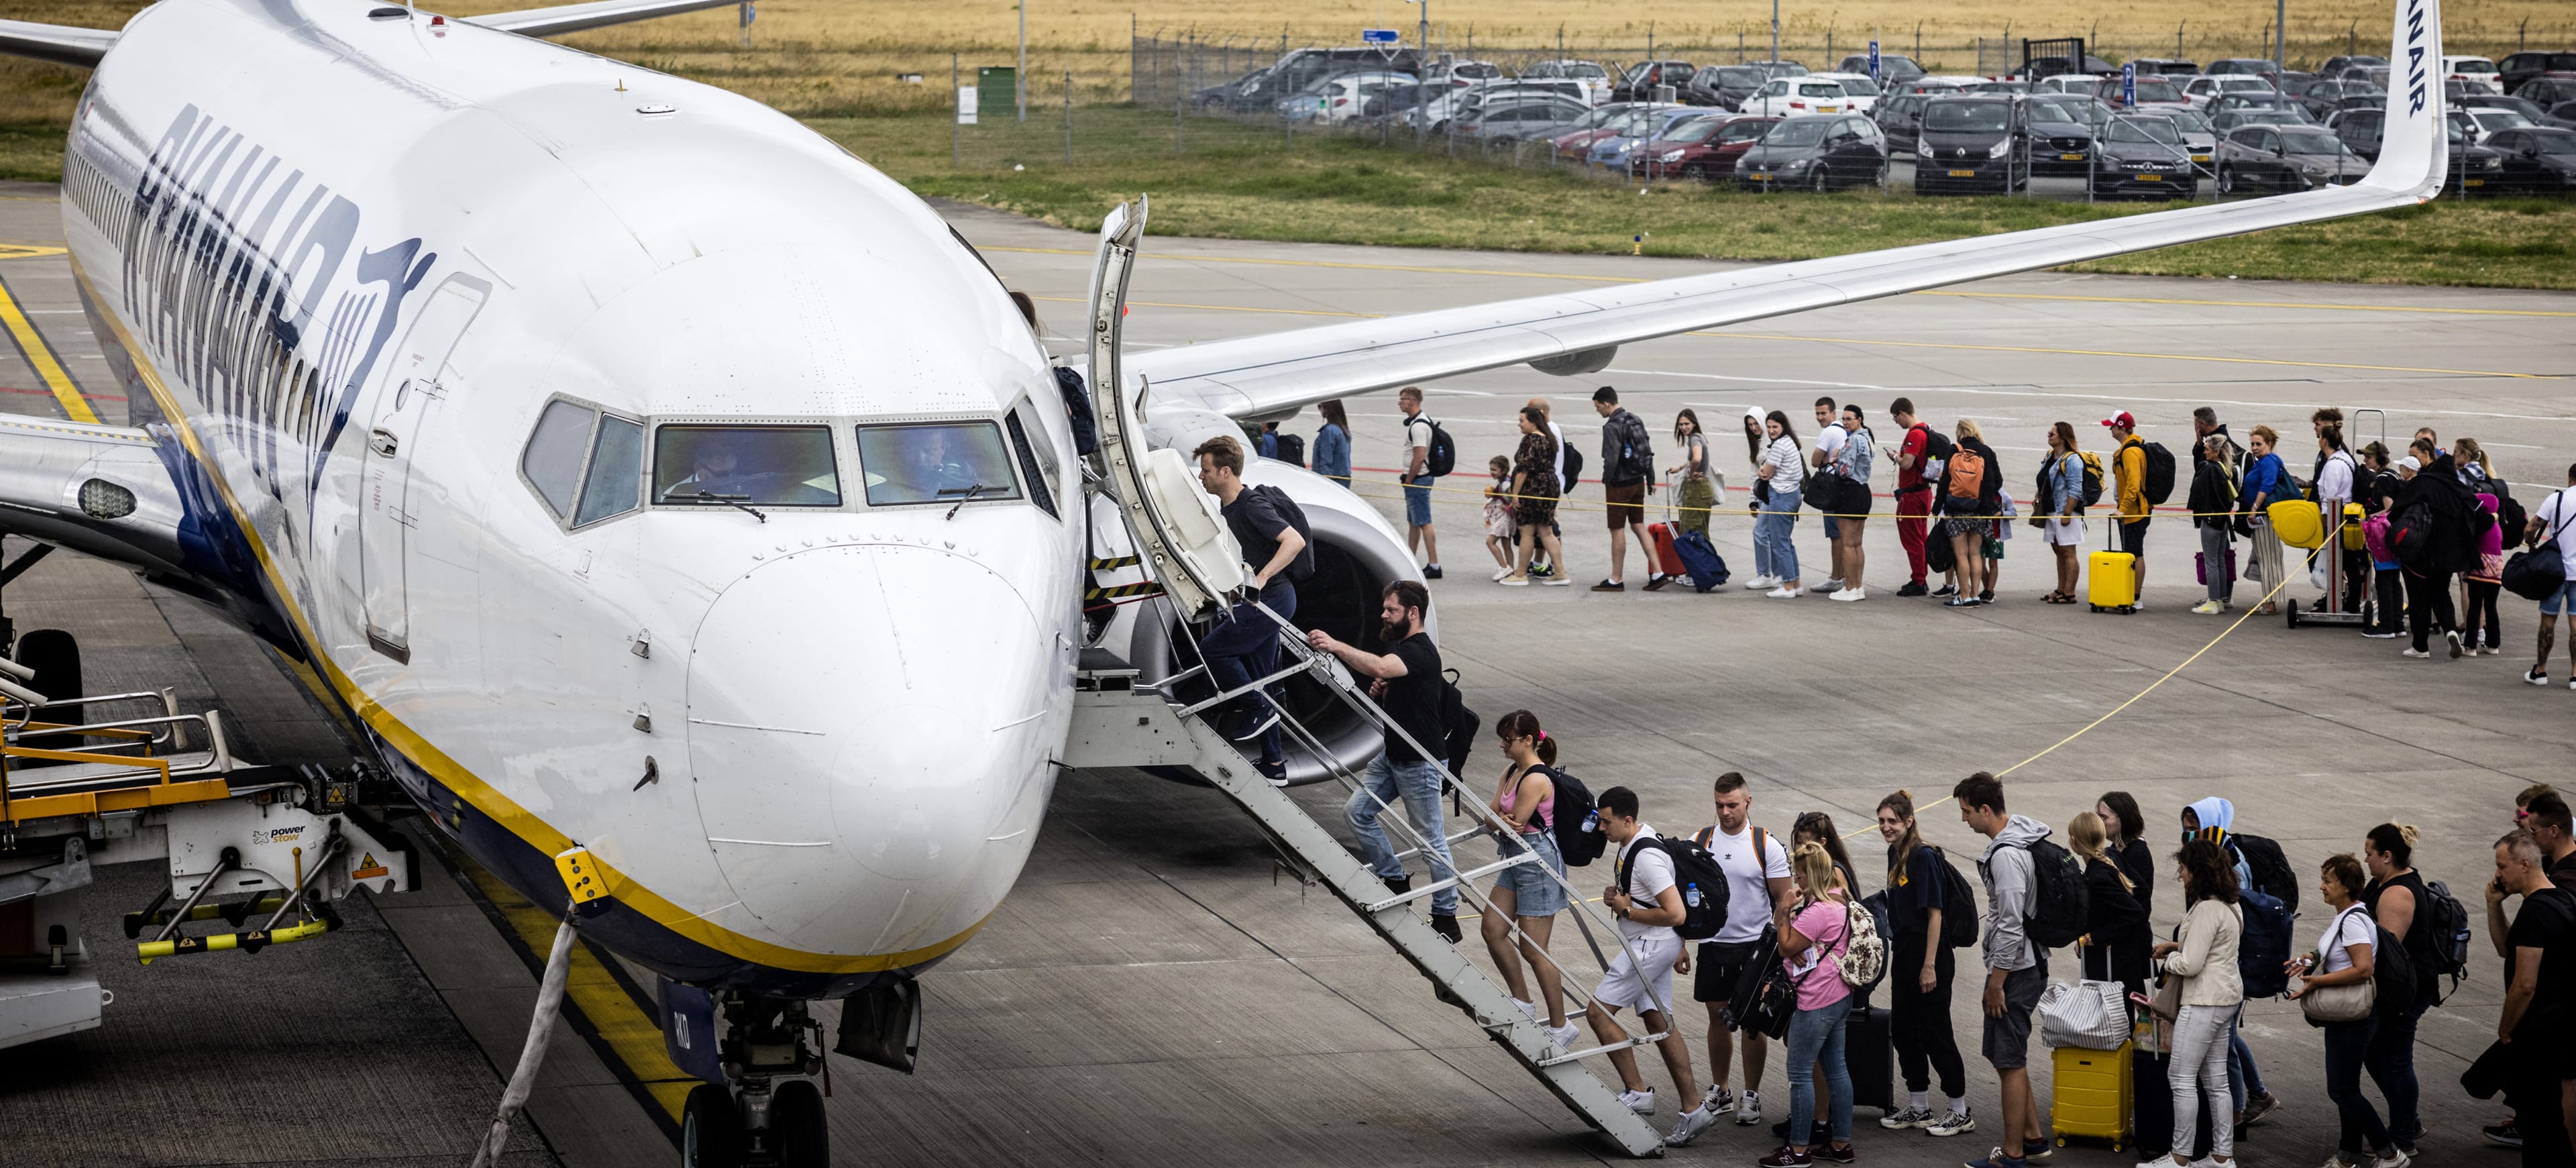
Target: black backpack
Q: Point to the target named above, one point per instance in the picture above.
(1703, 886)
(1292, 448)
(1578, 834)
(1077, 410)
(2263, 951)
(1458, 724)
(2410, 536)
(2446, 922)
(1302, 568)
(1937, 446)
(2091, 479)
(2272, 873)
(1444, 451)
(2059, 901)
(2160, 472)
(1573, 469)
(1958, 905)
(2392, 971)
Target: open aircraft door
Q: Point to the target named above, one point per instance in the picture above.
(384, 516)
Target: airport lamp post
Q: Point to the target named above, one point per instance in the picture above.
(2280, 35)
(1775, 34)
(1020, 77)
(1422, 74)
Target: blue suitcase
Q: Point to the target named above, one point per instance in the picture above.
(1707, 570)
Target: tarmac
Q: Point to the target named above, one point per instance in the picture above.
(1155, 992)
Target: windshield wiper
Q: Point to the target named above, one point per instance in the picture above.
(732, 500)
(967, 495)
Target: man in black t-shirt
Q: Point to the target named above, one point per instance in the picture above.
(2547, 819)
(1406, 682)
(1244, 643)
(2540, 995)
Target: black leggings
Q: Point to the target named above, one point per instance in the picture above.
(2481, 616)
(2389, 616)
(2428, 605)
(1920, 1022)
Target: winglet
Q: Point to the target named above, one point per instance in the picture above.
(2414, 154)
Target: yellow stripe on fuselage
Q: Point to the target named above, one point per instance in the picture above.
(500, 808)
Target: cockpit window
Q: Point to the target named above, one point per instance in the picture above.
(553, 458)
(768, 466)
(615, 485)
(935, 462)
(1030, 452)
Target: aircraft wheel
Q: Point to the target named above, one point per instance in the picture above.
(710, 1129)
(796, 1128)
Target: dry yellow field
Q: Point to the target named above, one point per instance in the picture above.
(840, 57)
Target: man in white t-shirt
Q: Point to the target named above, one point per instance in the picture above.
(1647, 902)
(1417, 479)
(1829, 442)
(2555, 518)
(1758, 894)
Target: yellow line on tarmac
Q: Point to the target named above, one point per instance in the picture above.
(1593, 279)
(40, 357)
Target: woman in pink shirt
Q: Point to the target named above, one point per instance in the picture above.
(1819, 930)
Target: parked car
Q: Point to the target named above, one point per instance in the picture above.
(2548, 90)
(2491, 121)
(1892, 67)
(2000, 87)
(2084, 83)
(2561, 115)
(1262, 89)
(2537, 158)
(1965, 146)
(2360, 130)
(2153, 92)
(1516, 119)
(2059, 129)
(1335, 101)
(1597, 82)
(2475, 169)
(2527, 109)
(2290, 80)
(2478, 69)
(1611, 152)
(2287, 115)
(1703, 149)
(1458, 105)
(2283, 159)
(1820, 152)
(2335, 66)
(1460, 74)
(1724, 86)
(1784, 67)
(2174, 67)
(2038, 68)
(2205, 91)
(2518, 68)
(1901, 119)
(1939, 83)
(1790, 97)
(2143, 156)
(1607, 121)
(1639, 82)
(1863, 92)
(2325, 97)
(2194, 129)
(2262, 67)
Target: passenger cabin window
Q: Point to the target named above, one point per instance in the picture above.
(553, 458)
(935, 462)
(765, 466)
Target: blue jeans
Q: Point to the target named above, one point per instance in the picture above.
(1243, 645)
(2363, 1134)
(1417, 501)
(1771, 535)
(2391, 1062)
(1817, 1036)
(1418, 785)
(2242, 1076)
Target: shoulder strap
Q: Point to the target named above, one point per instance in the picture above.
(1707, 835)
(1761, 860)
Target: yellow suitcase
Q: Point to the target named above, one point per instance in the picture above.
(2092, 1097)
(2110, 581)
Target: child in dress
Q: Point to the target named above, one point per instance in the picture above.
(1501, 534)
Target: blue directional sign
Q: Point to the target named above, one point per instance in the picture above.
(2129, 84)
(1873, 60)
(1378, 36)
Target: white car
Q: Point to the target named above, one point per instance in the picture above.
(2477, 69)
(1461, 104)
(1597, 81)
(2083, 83)
(1460, 74)
(1789, 97)
(1339, 100)
(2491, 120)
(2205, 90)
(1859, 87)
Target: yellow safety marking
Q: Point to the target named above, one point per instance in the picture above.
(221, 942)
(40, 356)
(369, 869)
(581, 875)
(28, 251)
(1121, 591)
(1596, 279)
(633, 1038)
(1115, 563)
(440, 766)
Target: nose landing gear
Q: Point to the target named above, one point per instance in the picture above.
(760, 1120)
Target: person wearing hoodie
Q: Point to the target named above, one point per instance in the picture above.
(2211, 996)
(2214, 819)
(2016, 967)
(2452, 547)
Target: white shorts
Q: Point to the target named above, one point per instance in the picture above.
(1621, 986)
(2065, 532)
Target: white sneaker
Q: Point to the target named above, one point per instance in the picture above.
(1564, 1037)
(1834, 585)
(1785, 593)
(1717, 1100)
(1748, 1109)
(1911, 1117)
(1759, 583)
(1641, 1102)
(1528, 1008)
(1556, 581)
(1951, 1124)
(2165, 1161)
(2571, 683)
(1499, 573)
(2208, 608)
(2396, 1158)
(2411, 651)
(1692, 1123)
(2535, 677)
(2453, 636)
(1850, 594)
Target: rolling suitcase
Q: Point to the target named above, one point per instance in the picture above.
(2093, 1097)
(2200, 565)
(1667, 560)
(2108, 583)
(1869, 1053)
(2152, 1104)
(1707, 568)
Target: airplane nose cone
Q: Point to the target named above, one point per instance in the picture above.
(861, 720)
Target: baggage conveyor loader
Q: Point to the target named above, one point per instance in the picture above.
(266, 851)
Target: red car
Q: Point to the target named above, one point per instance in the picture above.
(1704, 150)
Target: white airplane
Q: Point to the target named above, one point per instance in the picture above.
(639, 471)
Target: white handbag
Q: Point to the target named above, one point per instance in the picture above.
(2092, 1015)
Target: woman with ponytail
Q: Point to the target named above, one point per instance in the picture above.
(1919, 973)
(2116, 935)
(2397, 900)
(1529, 894)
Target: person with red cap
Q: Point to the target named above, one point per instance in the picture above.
(2129, 498)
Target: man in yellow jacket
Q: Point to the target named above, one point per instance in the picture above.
(2129, 503)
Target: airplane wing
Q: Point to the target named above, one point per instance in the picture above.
(1578, 332)
(61, 44)
(544, 22)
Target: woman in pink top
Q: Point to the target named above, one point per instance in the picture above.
(2482, 634)
(1819, 930)
(1529, 894)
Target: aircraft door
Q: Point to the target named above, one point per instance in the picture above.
(384, 520)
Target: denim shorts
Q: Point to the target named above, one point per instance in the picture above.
(2563, 603)
(1534, 886)
(1417, 501)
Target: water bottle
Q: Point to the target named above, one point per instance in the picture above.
(1591, 822)
(1690, 895)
